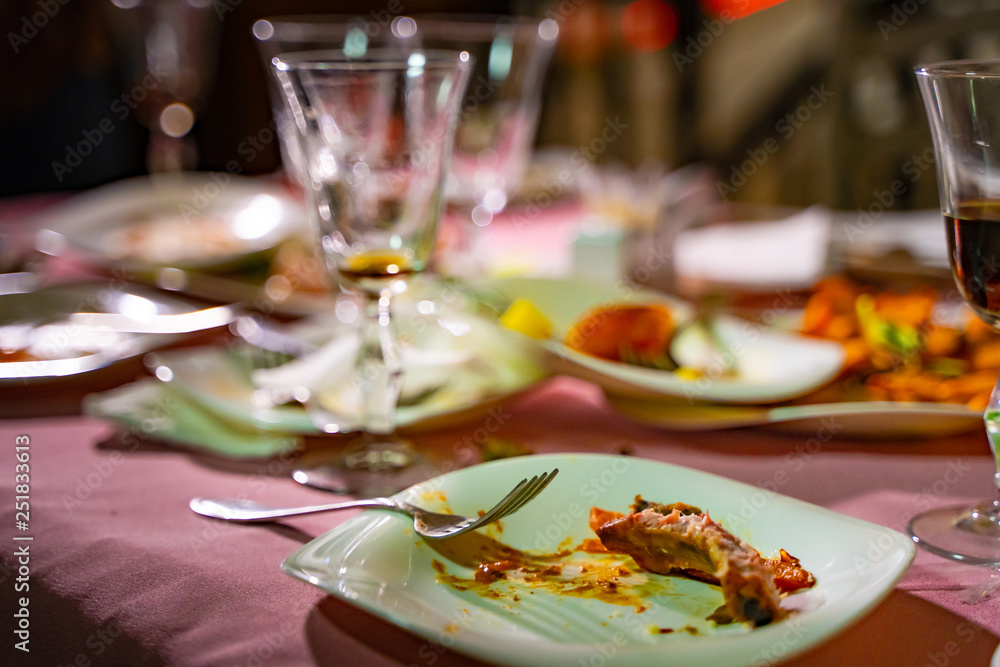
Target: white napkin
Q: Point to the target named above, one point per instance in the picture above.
(790, 252)
(325, 373)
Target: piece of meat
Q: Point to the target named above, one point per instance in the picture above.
(789, 575)
(679, 538)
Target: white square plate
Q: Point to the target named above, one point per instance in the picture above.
(377, 562)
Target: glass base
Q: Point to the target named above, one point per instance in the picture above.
(370, 466)
(968, 535)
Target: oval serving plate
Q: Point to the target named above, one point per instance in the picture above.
(184, 221)
(873, 419)
(771, 365)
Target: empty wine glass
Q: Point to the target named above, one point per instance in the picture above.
(962, 100)
(376, 134)
(171, 44)
(499, 115)
(494, 140)
(351, 33)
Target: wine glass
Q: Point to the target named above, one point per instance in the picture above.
(499, 115)
(172, 44)
(962, 100)
(376, 133)
(494, 140)
(352, 33)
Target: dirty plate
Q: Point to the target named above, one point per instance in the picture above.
(375, 561)
(180, 221)
(770, 365)
(76, 328)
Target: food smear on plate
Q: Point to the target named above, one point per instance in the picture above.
(902, 346)
(638, 334)
(680, 539)
(506, 574)
(13, 355)
(633, 563)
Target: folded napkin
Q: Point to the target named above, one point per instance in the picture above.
(163, 411)
(788, 253)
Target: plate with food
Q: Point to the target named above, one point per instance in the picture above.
(64, 330)
(619, 558)
(252, 398)
(917, 364)
(203, 222)
(645, 345)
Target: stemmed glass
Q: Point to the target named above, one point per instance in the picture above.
(174, 41)
(376, 134)
(962, 100)
(500, 115)
(351, 33)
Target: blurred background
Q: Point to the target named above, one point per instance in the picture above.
(795, 102)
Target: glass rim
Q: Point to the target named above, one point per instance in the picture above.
(309, 27)
(372, 59)
(961, 69)
(316, 26)
(480, 26)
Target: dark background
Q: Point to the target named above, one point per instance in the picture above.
(62, 81)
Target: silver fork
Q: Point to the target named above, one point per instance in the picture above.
(426, 523)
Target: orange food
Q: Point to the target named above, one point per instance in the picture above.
(897, 351)
(620, 331)
(16, 355)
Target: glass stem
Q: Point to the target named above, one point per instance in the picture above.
(986, 515)
(380, 365)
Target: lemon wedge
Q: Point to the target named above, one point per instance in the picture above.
(524, 317)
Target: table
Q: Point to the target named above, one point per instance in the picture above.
(120, 572)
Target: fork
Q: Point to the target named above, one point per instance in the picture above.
(426, 523)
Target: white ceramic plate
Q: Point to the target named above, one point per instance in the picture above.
(375, 561)
(771, 365)
(77, 328)
(874, 419)
(185, 221)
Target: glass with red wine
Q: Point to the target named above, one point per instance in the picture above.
(962, 101)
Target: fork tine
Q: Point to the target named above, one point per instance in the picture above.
(525, 491)
(530, 494)
(500, 508)
(526, 494)
(492, 512)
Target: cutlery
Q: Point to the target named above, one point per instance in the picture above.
(174, 323)
(426, 523)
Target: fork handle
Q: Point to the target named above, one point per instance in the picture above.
(247, 511)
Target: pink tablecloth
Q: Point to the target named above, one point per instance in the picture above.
(122, 573)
